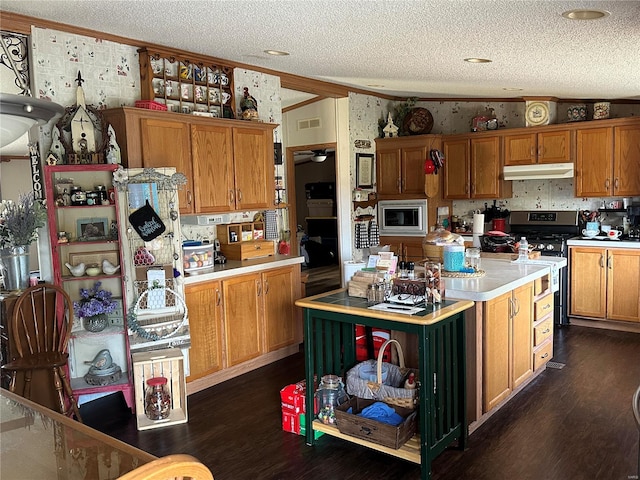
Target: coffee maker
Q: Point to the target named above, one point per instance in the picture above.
(633, 214)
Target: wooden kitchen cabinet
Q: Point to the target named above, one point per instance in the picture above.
(281, 289)
(408, 249)
(243, 326)
(400, 166)
(204, 301)
(607, 160)
(507, 344)
(537, 147)
(605, 283)
(228, 163)
(473, 168)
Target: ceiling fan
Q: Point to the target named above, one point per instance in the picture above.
(319, 156)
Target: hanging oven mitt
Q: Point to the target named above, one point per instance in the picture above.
(147, 223)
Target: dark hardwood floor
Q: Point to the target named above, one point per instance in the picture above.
(322, 279)
(571, 423)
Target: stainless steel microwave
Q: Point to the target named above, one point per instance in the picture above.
(403, 217)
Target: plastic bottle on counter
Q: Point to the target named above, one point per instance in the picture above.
(523, 249)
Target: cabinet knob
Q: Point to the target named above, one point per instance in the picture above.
(259, 287)
(607, 183)
(616, 183)
(232, 197)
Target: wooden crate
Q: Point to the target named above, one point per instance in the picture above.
(168, 363)
(248, 250)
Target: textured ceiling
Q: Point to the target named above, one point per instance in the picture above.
(410, 47)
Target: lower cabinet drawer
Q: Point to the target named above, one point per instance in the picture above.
(543, 354)
(543, 306)
(542, 331)
(247, 250)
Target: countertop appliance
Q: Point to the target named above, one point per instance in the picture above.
(548, 231)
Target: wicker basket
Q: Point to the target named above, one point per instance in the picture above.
(434, 253)
(377, 432)
(392, 391)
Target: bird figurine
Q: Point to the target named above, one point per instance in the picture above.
(78, 270)
(108, 267)
(410, 382)
(249, 106)
(101, 361)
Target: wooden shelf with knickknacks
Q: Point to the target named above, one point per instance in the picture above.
(194, 85)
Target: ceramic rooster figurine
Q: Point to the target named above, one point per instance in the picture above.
(249, 106)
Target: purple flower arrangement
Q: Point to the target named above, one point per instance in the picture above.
(94, 301)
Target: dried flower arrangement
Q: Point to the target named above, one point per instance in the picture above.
(20, 221)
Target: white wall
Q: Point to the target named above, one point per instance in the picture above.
(326, 133)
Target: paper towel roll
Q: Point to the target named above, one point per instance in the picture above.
(476, 240)
(478, 223)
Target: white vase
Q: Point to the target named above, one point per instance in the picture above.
(15, 267)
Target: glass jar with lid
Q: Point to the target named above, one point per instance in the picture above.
(329, 395)
(157, 399)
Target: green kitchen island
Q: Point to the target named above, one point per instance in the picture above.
(330, 348)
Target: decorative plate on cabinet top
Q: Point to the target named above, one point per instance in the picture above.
(418, 121)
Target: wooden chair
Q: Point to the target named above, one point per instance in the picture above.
(171, 467)
(40, 332)
(635, 404)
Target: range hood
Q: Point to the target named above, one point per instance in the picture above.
(539, 171)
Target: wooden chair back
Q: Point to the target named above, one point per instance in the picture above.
(40, 321)
(171, 467)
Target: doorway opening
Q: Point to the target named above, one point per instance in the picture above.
(313, 214)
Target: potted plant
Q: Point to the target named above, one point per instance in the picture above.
(19, 224)
(93, 307)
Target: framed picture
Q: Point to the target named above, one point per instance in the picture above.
(364, 170)
(92, 228)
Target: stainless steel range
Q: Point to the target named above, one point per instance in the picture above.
(548, 232)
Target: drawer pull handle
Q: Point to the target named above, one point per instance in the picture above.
(548, 305)
(546, 331)
(544, 356)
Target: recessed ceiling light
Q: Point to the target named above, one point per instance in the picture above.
(585, 14)
(375, 85)
(477, 60)
(276, 53)
(512, 89)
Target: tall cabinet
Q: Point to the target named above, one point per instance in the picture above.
(228, 163)
(87, 233)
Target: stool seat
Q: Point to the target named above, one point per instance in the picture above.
(37, 361)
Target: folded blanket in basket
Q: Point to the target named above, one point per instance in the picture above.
(381, 412)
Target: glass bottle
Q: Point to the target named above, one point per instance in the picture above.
(329, 395)
(157, 400)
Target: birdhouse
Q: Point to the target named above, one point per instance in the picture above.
(390, 130)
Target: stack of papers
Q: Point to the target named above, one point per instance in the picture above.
(394, 308)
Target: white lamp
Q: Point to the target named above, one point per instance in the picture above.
(18, 113)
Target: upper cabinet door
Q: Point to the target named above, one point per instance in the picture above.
(253, 164)
(213, 169)
(486, 167)
(456, 168)
(594, 158)
(412, 170)
(388, 171)
(626, 161)
(167, 143)
(520, 149)
(554, 146)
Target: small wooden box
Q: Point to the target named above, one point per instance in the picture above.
(168, 363)
(247, 250)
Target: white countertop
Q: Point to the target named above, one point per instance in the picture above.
(604, 243)
(501, 277)
(237, 267)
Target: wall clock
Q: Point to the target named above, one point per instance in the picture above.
(539, 113)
